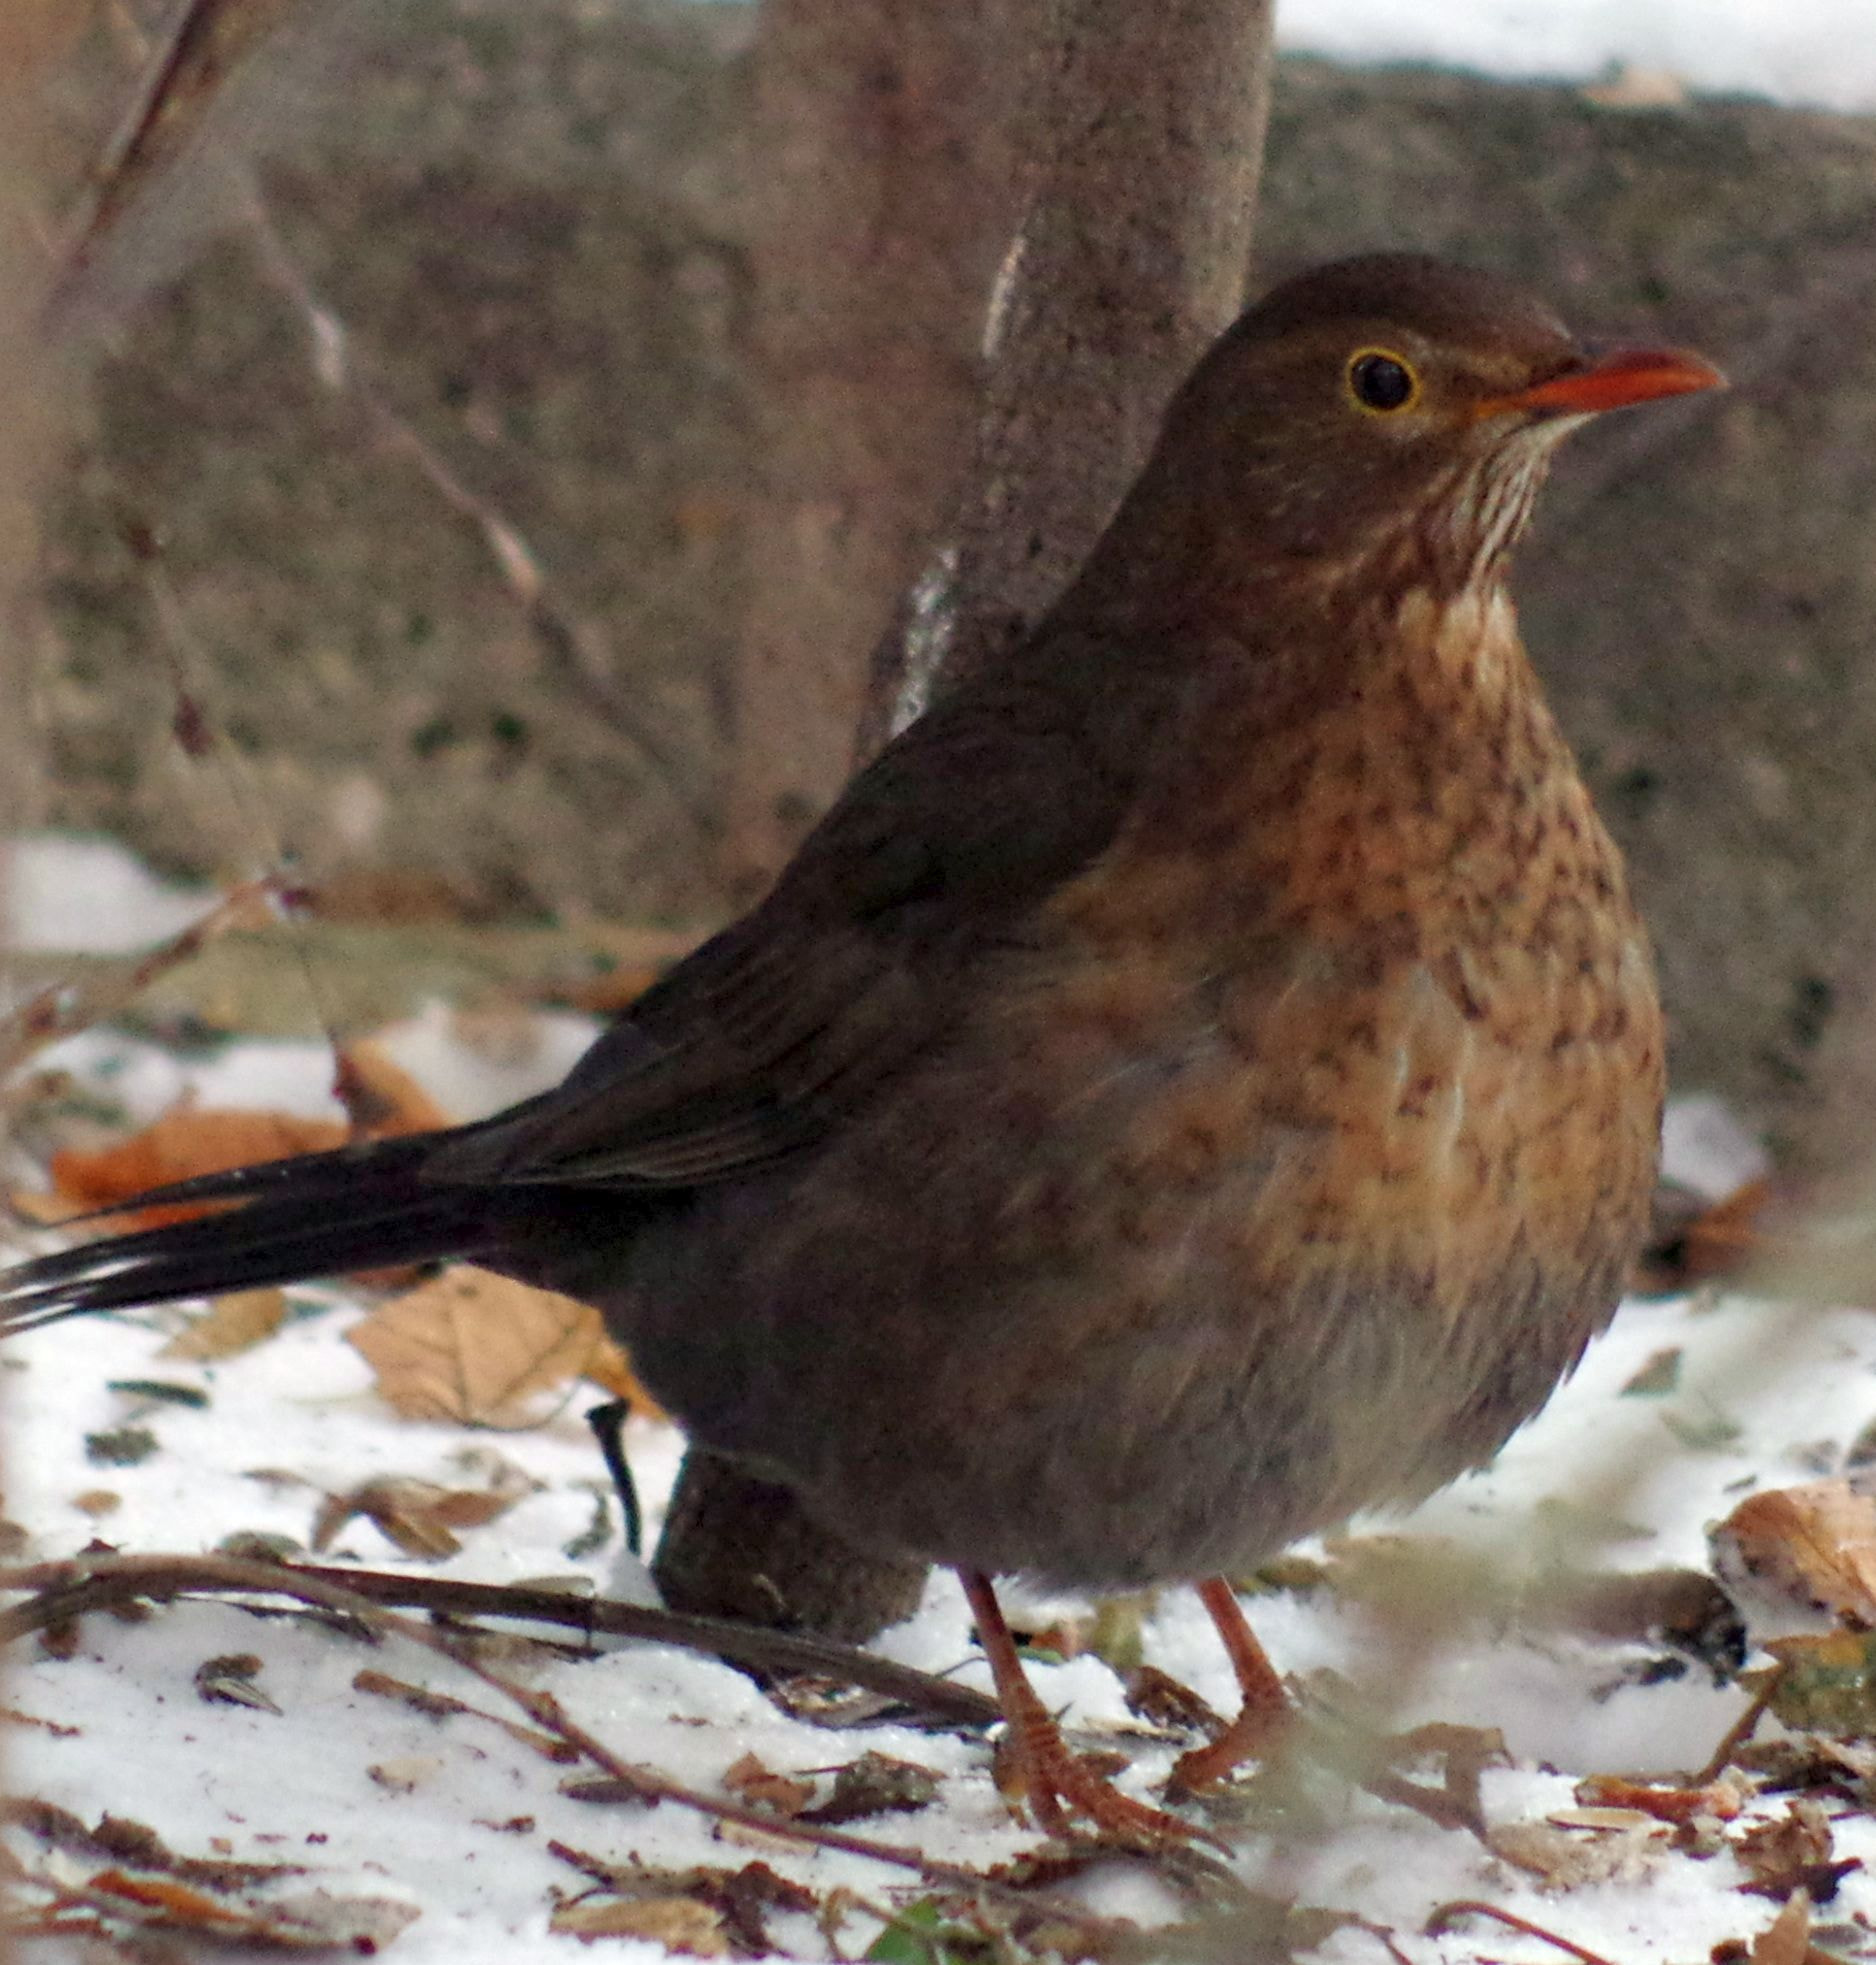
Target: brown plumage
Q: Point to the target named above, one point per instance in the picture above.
(1202, 1079)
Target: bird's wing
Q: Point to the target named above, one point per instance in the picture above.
(858, 960)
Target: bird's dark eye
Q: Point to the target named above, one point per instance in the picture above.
(1380, 381)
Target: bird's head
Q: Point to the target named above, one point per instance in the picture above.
(1392, 415)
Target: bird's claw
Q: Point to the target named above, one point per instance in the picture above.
(1056, 1784)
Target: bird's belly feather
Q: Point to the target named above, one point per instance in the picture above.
(1297, 1252)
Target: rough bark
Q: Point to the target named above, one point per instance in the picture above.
(881, 167)
(1138, 184)
(1146, 131)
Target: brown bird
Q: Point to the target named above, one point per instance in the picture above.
(1202, 1079)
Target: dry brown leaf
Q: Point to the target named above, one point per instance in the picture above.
(1782, 1854)
(1164, 1701)
(179, 1146)
(230, 1681)
(678, 1923)
(313, 1920)
(476, 1348)
(381, 1098)
(1805, 1551)
(1787, 1939)
(752, 1780)
(1714, 1241)
(468, 1507)
(740, 1898)
(399, 1508)
(232, 1323)
(1565, 1859)
(419, 1516)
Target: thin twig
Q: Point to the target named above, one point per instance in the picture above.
(1443, 1917)
(185, 65)
(165, 1576)
(1741, 1729)
(568, 643)
(59, 1590)
(198, 731)
(62, 1009)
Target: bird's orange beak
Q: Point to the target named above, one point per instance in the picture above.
(1612, 379)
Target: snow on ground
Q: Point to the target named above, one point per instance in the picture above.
(1803, 51)
(455, 1818)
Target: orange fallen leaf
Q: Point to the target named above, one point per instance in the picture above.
(753, 1781)
(1787, 1939)
(476, 1348)
(381, 1098)
(179, 1903)
(232, 1323)
(1690, 1244)
(611, 1370)
(179, 1146)
(312, 1920)
(1729, 1233)
(1718, 1799)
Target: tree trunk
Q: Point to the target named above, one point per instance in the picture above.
(883, 173)
(1128, 255)
(1142, 132)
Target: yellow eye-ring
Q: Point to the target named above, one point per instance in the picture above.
(1382, 381)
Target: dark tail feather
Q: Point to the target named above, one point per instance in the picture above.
(320, 1214)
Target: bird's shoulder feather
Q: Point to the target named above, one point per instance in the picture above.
(945, 847)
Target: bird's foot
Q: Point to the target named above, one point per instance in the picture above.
(1036, 1760)
(1265, 1715)
(1056, 1783)
(1255, 1732)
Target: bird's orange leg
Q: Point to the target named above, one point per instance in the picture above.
(1265, 1709)
(1051, 1775)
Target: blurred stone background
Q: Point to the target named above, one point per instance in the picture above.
(528, 221)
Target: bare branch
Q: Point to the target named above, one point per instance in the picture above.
(569, 644)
